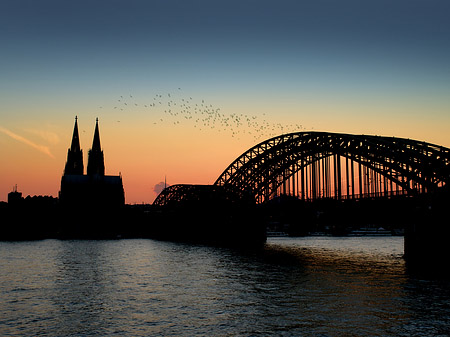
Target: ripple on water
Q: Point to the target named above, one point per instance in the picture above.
(304, 286)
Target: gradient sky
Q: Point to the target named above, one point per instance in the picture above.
(267, 67)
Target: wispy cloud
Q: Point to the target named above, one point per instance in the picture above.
(49, 137)
(41, 148)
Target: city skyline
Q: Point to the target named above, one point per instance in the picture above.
(181, 89)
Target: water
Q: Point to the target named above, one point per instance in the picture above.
(308, 286)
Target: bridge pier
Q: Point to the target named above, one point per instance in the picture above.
(427, 247)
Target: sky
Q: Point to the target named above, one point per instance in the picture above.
(181, 88)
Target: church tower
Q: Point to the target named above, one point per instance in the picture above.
(74, 164)
(96, 163)
(95, 196)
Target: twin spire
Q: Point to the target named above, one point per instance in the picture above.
(74, 164)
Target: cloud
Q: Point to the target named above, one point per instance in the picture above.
(41, 148)
(49, 137)
(159, 187)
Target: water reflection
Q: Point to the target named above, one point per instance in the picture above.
(346, 286)
(305, 287)
(83, 287)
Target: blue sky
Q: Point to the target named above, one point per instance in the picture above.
(293, 43)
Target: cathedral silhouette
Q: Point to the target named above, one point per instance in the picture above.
(94, 190)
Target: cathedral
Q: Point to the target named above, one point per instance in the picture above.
(94, 190)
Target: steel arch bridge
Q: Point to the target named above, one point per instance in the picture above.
(313, 165)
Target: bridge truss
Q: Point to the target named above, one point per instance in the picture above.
(185, 195)
(313, 165)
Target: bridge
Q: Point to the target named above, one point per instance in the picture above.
(319, 165)
(359, 178)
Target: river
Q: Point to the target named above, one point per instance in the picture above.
(313, 286)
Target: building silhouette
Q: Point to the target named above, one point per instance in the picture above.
(93, 191)
(96, 162)
(14, 197)
(74, 164)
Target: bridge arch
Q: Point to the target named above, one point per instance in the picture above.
(186, 195)
(312, 165)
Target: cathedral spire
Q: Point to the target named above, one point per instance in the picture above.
(96, 142)
(96, 164)
(75, 138)
(74, 164)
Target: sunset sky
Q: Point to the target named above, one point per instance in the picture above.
(183, 87)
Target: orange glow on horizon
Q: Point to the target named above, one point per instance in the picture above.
(145, 153)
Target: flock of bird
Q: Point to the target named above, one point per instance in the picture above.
(174, 109)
